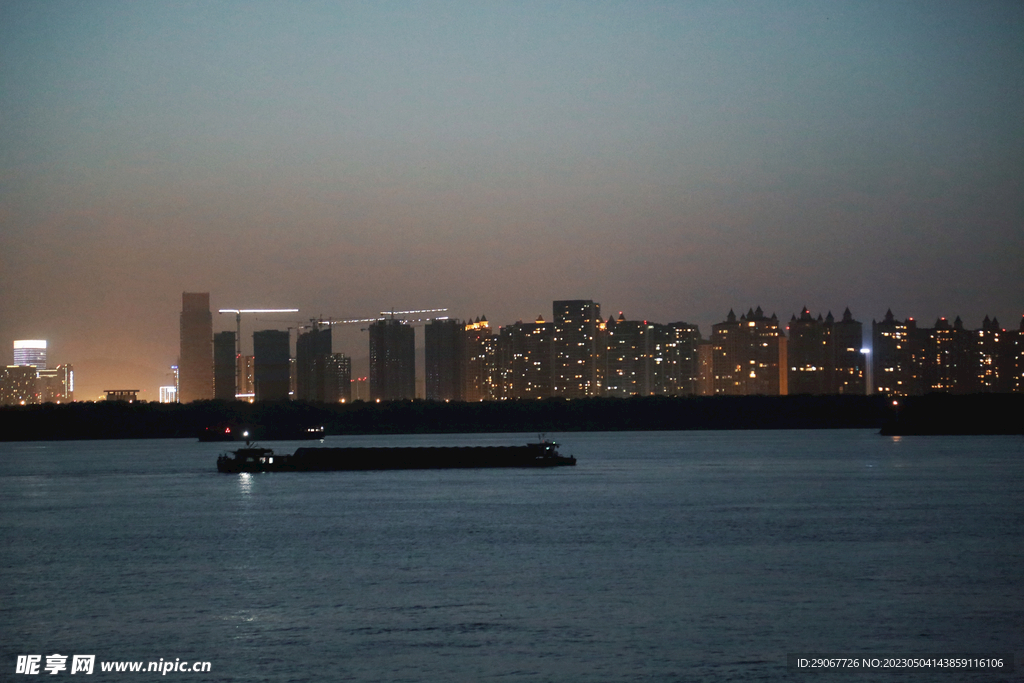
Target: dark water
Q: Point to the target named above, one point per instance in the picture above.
(663, 556)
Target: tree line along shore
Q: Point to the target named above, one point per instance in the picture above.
(929, 414)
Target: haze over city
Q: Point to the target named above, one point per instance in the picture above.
(670, 160)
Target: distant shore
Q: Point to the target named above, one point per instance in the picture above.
(932, 414)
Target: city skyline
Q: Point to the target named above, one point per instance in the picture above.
(670, 160)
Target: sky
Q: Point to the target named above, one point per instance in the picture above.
(671, 160)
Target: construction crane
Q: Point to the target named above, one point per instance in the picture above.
(390, 315)
(238, 334)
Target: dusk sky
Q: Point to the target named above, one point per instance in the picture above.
(670, 160)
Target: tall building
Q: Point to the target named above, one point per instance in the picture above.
(392, 361)
(247, 378)
(337, 377)
(824, 356)
(576, 348)
(480, 372)
(225, 364)
(19, 385)
(809, 354)
(993, 360)
(533, 358)
(849, 363)
(30, 352)
(747, 357)
(313, 350)
(1017, 353)
(682, 370)
(627, 357)
(57, 385)
(893, 356)
(271, 365)
(443, 360)
(948, 355)
(195, 363)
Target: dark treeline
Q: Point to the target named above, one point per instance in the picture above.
(934, 414)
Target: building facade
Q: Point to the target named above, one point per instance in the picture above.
(30, 352)
(392, 361)
(225, 366)
(576, 346)
(748, 355)
(271, 365)
(443, 356)
(195, 362)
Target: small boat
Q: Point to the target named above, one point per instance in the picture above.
(254, 458)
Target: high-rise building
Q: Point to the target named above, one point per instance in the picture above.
(993, 360)
(627, 356)
(809, 354)
(443, 360)
(57, 385)
(271, 365)
(30, 352)
(849, 365)
(19, 385)
(225, 366)
(893, 356)
(947, 359)
(533, 358)
(747, 357)
(575, 344)
(392, 361)
(337, 376)
(195, 363)
(247, 378)
(682, 359)
(824, 356)
(481, 376)
(1017, 353)
(312, 362)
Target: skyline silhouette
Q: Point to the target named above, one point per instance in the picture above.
(670, 160)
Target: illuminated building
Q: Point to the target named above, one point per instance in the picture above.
(809, 354)
(627, 357)
(993, 360)
(337, 376)
(947, 359)
(18, 385)
(825, 356)
(392, 361)
(57, 385)
(30, 352)
(168, 394)
(225, 366)
(705, 362)
(681, 359)
(443, 356)
(893, 357)
(480, 376)
(126, 395)
(533, 358)
(746, 357)
(271, 365)
(576, 348)
(195, 363)
(246, 377)
(1017, 354)
(848, 360)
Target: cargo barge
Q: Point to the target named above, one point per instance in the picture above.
(319, 459)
